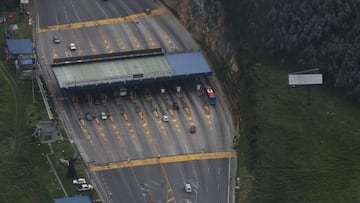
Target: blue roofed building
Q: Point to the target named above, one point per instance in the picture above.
(188, 64)
(20, 52)
(78, 199)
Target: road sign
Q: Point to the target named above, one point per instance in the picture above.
(305, 79)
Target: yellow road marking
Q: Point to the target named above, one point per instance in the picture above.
(96, 23)
(54, 53)
(86, 132)
(101, 132)
(172, 199)
(162, 128)
(106, 42)
(169, 41)
(148, 134)
(122, 45)
(162, 160)
(170, 193)
(136, 42)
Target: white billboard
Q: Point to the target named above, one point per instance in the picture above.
(305, 79)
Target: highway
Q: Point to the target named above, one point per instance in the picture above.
(133, 155)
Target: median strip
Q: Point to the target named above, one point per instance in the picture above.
(161, 160)
(97, 23)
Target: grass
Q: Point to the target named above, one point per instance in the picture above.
(19, 172)
(306, 153)
(25, 174)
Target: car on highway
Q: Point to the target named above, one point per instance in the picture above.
(175, 106)
(88, 116)
(84, 187)
(103, 116)
(165, 118)
(72, 46)
(147, 11)
(97, 102)
(188, 188)
(79, 181)
(56, 39)
(192, 129)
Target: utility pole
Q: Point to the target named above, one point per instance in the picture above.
(32, 85)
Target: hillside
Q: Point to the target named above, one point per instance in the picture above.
(309, 33)
(288, 151)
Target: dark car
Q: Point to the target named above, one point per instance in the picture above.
(175, 106)
(88, 117)
(193, 129)
(97, 102)
(147, 11)
(56, 39)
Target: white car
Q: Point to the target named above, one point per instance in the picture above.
(72, 46)
(79, 181)
(188, 188)
(165, 118)
(103, 116)
(85, 187)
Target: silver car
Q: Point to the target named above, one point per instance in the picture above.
(72, 46)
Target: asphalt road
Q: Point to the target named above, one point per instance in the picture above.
(161, 183)
(134, 129)
(93, 26)
(119, 139)
(141, 134)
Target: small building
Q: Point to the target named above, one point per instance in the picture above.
(77, 199)
(20, 52)
(47, 131)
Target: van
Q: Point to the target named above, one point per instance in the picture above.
(188, 188)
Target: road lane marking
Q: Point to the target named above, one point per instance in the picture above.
(101, 130)
(170, 197)
(169, 42)
(208, 115)
(116, 130)
(108, 47)
(97, 23)
(85, 131)
(162, 160)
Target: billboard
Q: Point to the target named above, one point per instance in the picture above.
(305, 79)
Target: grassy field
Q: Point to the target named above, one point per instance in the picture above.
(306, 153)
(25, 174)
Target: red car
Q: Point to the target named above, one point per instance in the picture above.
(12, 15)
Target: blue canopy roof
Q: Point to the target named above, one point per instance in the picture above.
(20, 46)
(189, 63)
(26, 61)
(79, 199)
